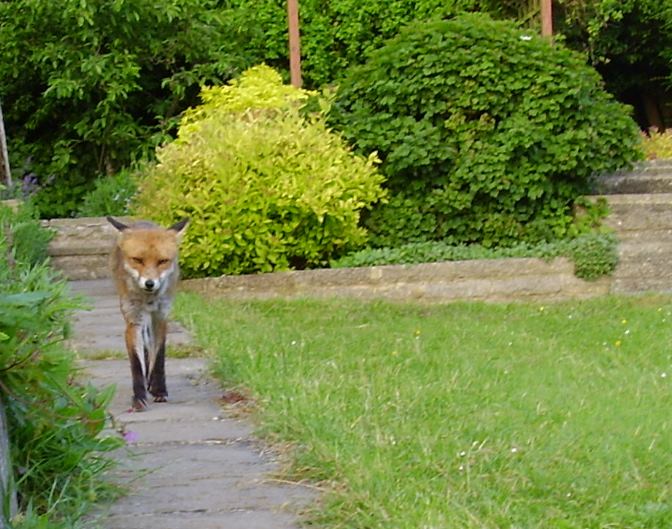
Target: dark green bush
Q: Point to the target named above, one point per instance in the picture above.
(487, 133)
(594, 255)
(55, 425)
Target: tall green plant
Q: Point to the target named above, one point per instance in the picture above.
(487, 133)
(55, 424)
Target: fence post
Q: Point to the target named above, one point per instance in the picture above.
(294, 42)
(546, 8)
(8, 505)
(4, 156)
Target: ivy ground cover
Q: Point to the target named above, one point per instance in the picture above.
(465, 415)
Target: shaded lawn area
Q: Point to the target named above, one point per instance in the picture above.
(464, 415)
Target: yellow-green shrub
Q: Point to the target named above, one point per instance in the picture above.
(267, 186)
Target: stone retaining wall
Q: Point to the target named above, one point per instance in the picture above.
(81, 248)
(486, 280)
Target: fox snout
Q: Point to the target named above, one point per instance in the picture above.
(150, 278)
(149, 285)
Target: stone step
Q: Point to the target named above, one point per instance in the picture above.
(633, 212)
(641, 268)
(66, 246)
(640, 285)
(77, 267)
(635, 237)
(649, 177)
(646, 247)
(102, 288)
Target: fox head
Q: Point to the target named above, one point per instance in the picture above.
(148, 253)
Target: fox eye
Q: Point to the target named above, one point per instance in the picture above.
(138, 260)
(162, 261)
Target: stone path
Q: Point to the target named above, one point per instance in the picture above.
(187, 465)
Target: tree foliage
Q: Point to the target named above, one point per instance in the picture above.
(486, 133)
(629, 41)
(337, 34)
(90, 85)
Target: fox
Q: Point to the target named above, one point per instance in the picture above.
(145, 270)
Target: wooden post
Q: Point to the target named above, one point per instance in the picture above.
(8, 506)
(294, 42)
(546, 7)
(4, 156)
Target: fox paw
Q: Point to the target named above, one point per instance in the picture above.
(160, 398)
(139, 404)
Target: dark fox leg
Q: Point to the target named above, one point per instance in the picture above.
(136, 356)
(157, 378)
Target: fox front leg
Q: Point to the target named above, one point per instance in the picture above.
(136, 356)
(157, 377)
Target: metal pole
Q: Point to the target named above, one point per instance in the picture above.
(546, 7)
(4, 156)
(294, 42)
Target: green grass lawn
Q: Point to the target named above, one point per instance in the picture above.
(464, 415)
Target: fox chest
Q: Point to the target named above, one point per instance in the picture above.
(138, 310)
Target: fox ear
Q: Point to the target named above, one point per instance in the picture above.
(178, 227)
(120, 226)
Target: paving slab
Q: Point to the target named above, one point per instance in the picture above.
(188, 463)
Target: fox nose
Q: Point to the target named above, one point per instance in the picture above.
(149, 284)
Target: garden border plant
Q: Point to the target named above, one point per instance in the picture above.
(55, 424)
